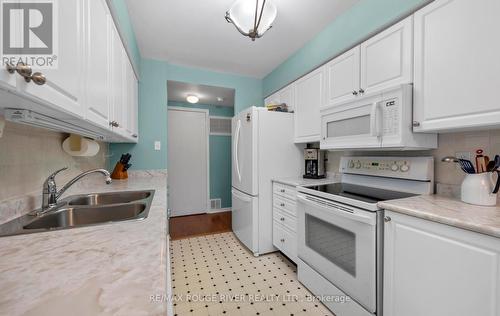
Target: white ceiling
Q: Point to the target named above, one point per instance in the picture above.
(178, 91)
(195, 33)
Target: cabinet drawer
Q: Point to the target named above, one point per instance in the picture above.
(285, 241)
(285, 219)
(285, 205)
(285, 190)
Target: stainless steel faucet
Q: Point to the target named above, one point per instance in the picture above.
(50, 195)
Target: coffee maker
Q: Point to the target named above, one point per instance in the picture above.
(314, 163)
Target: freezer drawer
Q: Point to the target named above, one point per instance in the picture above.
(244, 219)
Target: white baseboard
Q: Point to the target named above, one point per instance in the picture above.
(220, 210)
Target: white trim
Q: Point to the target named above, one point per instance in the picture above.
(220, 210)
(207, 128)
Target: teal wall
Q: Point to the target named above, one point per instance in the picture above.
(152, 120)
(220, 154)
(127, 30)
(362, 20)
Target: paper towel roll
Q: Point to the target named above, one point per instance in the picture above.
(88, 148)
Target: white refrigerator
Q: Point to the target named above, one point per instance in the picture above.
(262, 149)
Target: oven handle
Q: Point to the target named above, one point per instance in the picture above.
(352, 216)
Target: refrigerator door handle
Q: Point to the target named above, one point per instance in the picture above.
(235, 153)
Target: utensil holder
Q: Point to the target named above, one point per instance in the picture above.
(477, 189)
(118, 173)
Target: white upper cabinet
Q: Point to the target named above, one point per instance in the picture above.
(287, 96)
(98, 58)
(453, 271)
(63, 88)
(118, 88)
(342, 77)
(272, 99)
(308, 100)
(387, 58)
(382, 62)
(457, 65)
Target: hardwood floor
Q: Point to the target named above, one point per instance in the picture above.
(198, 225)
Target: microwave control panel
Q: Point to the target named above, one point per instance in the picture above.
(390, 109)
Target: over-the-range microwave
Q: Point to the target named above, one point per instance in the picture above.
(377, 121)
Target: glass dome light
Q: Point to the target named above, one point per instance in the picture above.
(252, 18)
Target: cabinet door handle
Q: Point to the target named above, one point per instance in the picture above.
(282, 239)
(282, 219)
(134, 135)
(10, 68)
(282, 190)
(416, 124)
(38, 78)
(387, 219)
(114, 124)
(282, 204)
(361, 91)
(355, 92)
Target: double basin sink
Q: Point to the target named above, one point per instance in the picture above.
(84, 210)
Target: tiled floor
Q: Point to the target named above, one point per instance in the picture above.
(216, 275)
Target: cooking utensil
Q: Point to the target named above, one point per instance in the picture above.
(480, 161)
(467, 166)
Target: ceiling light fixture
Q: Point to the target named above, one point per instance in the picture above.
(249, 20)
(219, 99)
(192, 99)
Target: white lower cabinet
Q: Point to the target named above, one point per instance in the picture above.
(432, 269)
(285, 219)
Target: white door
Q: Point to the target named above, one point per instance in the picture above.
(63, 89)
(244, 151)
(453, 271)
(308, 100)
(342, 78)
(188, 161)
(457, 65)
(387, 58)
(98, 57)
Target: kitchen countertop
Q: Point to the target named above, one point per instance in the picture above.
(449, 211)
(299, 181)
(110, 269)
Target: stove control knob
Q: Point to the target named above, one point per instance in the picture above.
(358, 165)
(405, 168)
(394, 167)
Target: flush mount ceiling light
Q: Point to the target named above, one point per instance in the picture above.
(219, 99)
(251, 18)
(192, 99)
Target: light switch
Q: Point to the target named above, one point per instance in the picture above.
(157, 145)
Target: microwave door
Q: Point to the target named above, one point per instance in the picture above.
(358, 126)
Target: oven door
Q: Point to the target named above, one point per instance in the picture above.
(339, 242)
(353, 126)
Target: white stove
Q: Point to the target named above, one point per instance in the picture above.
(340, 228)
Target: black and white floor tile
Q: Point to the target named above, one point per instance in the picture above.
(216, 275)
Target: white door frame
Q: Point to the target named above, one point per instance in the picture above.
(207, 120)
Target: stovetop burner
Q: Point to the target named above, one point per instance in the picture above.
(360, 193)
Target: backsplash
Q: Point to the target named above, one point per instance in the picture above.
(449, 145)
(28, 155)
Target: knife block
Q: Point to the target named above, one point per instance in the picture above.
(118, 173)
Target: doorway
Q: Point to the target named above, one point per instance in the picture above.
(188, 161)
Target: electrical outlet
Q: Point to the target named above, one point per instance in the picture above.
(157, 145)
(463, 155)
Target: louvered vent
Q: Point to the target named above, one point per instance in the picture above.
(215, 204)
(220, 125)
